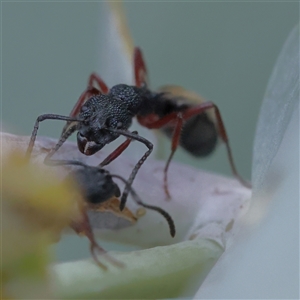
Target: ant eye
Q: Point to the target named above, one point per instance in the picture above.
(84, 108)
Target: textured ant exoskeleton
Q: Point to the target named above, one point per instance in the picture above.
(101, 115)
(192, 122)
(100, 120)
(97, 186)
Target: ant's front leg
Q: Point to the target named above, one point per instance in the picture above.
(117, 152)
(63, 138)
(148, 144)
(36, 127)
(90, 91)
(94, 77)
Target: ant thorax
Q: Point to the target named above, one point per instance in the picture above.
(133, 97)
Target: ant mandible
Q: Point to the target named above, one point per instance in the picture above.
(101, 115)
(97, 186)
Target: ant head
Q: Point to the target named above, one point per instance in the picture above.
(100, 114)
(96, 184)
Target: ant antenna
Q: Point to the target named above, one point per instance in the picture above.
(61, 141)
(148, 144)
(138, 200)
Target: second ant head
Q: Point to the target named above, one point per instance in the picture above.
(96, 184)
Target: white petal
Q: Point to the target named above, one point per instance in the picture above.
(264, 263)
(204, 207)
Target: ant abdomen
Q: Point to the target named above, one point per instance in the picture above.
(199, 135)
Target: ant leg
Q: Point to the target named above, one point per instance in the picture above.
(140, 71)
(91, 90)
(117, 152)
(190, 112)
(137, 199)
(175, 143)
(63, 138)
(36, 127)
(84, 227)
(173, 117)
(148, 144)
(76, 109)
(222, 133)
(95, 77)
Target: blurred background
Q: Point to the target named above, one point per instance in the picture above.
(223, 51)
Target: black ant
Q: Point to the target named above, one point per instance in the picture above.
(97, 186)
(101, 115)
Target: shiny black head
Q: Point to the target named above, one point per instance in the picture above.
(96, 184)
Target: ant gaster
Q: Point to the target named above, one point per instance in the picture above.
(97, 186)
(102, 115)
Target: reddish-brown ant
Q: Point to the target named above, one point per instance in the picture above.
(97, 186)
(101, 115)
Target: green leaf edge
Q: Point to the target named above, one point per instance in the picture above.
(160, 272)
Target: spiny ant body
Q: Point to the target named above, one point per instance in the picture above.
(101, 115)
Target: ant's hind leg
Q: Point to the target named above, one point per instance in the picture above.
(175, 143)
(176, 118)
(222, 133)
